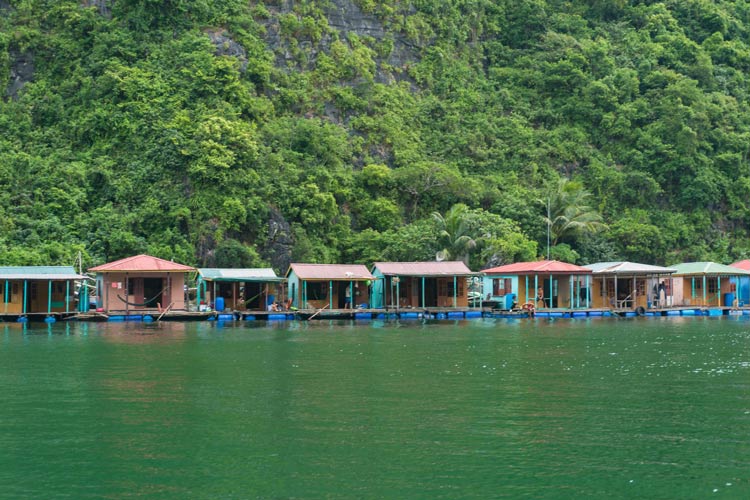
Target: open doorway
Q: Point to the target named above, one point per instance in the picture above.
(153, 289)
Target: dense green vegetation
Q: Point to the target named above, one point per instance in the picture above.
(228, 132)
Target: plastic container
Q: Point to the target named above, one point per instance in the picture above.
(509, 299)
(728, 300)
(219, 304)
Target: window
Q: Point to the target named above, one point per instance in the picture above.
(610, 288)
(640, 287)
(501, 286)
(713, 285)
(317, 290)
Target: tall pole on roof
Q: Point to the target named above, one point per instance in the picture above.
(548, 224)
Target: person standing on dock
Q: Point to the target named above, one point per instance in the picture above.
(348, 297)
(662, 294)
(540, 297)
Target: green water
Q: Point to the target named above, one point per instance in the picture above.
(655, 408)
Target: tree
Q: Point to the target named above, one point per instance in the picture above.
(569, 214)
(453, 235)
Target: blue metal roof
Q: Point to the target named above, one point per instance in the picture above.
(59, 273)
(239, 275)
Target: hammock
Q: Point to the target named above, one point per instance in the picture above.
(145, 303)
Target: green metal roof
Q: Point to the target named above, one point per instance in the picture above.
(707, 268)
(39, 273)
(265, 275)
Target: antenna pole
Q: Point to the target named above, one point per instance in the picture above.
(548, 225)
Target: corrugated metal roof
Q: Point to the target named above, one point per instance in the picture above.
(59, 273)
(143, 263)
(742, 264)
(444, 268)
(352, 272)
(239, 275)
(539, 267)
(712, 268)
(627, 268)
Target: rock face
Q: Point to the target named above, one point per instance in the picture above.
(225, 46)
(344, 16)
(278, 247)
(21, 72)
(104, 6)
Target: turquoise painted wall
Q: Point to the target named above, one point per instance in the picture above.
(500, 299)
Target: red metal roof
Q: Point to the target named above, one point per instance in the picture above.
(142, 263)
(743, 264)
(539, 267)
(351, 272)
(445, 268)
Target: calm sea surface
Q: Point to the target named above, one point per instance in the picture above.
(641, 408)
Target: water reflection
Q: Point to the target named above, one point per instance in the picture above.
(590, 407)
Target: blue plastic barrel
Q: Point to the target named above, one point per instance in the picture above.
(509, 299)
(728, 299)
(219, 304)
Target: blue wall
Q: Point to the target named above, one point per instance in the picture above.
(500, 299)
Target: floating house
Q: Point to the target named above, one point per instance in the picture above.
(545, 284)
(706, 284)
(742, 283)
(240, 289)
(44, 290)
(420, 284)
(140, 283)
(331, 286)
(629, 285)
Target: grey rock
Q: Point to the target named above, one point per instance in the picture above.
(21, 72)
(278, 246)
(104, 6)
(225, 46)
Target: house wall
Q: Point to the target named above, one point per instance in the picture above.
(742, 290)
(692, 291)
(316, 294)
(37, 292)
(488, 289)
(112, 291)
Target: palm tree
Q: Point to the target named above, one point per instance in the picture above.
(453, 237)
(569, 214)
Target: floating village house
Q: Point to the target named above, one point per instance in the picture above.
(543, 284)
(240, 289)
(318, 286)
(140, 283)
(38, 290)
(706, 284)
(420, 284)
(629, 285)
(742, 283)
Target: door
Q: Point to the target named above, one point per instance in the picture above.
(153, 292)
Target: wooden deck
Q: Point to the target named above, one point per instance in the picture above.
(429, 313)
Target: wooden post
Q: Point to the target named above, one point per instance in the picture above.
(67, 296)
(49, 297)
(24, 296)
